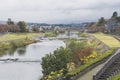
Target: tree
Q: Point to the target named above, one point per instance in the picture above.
(35, 29)
(3, 28)
(115, 15)
(13, 28)
(118, 19)
(9, 22)
(101, 21)
(76, 46)
(22, 25)
(56, 61)
(79, 50)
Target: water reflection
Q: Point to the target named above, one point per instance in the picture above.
(2, 53)
(11, 51)
(21, 51)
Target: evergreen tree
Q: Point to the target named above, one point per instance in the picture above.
(56, 61)
(22, 25)
(101, 21)
(9, 22)
(118, 19)
(115, 15)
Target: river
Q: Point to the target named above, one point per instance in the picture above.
(10, 70)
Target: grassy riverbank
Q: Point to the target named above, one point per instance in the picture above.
(50, 34)
(9, 42)
(91, 62)
(83, 54)
(15, 36)
(107, 39)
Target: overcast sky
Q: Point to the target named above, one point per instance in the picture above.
(57, 11)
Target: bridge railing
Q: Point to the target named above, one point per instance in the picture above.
(107, 64)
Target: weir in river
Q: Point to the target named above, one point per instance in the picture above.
(19, 60)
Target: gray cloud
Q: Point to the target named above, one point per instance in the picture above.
(57, 11)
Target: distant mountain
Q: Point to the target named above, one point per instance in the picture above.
(30, 24)
(37, 24)
(2, 22)
(61, 25)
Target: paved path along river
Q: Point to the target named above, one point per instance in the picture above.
(89, 74)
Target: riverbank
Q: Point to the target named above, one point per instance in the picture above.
(106, 39)
(79, 60)
(12, 41)
(78, 72)
(17, 36)
(80, 63)
(50, 34)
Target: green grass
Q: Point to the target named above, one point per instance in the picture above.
(12, 45)
(91, 62)
(15, 40)
(116, 77)
(50, 34)
(83, 34)
(107, 39)
(15, 36)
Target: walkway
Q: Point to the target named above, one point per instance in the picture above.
(89, 74)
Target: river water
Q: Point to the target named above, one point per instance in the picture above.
(27, 70)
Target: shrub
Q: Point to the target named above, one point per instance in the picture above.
(116, 77)
(56, 61)
(91, 62)
(50, 34)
